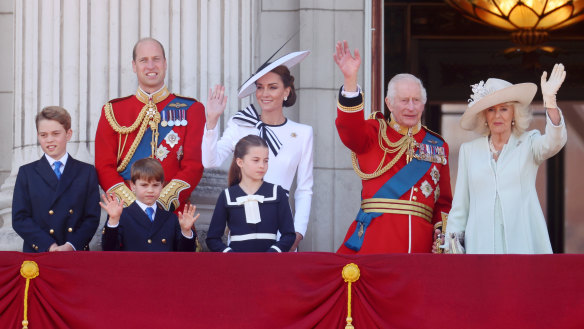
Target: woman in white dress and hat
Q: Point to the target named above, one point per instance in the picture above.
(495, 209)
(289, 142)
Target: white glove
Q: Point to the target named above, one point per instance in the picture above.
(550, 87)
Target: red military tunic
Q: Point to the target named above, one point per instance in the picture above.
(393, 232)
(179, 154)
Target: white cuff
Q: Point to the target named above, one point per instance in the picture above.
(276, 248)
(350, 94)
(112, 226)
(188, 237)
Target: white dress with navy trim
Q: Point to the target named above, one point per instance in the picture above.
(253, 220)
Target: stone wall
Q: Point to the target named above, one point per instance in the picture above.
(77, 54)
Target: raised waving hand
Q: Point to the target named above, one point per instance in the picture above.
(348, 64)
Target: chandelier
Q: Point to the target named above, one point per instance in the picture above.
(528, 20)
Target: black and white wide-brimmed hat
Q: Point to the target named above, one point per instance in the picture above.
(289, 61)
(495, 92)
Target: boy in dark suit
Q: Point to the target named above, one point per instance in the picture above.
(144, 225)
(55, 201)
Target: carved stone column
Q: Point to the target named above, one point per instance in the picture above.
(78, 54)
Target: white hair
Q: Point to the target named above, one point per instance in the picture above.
(391, 86)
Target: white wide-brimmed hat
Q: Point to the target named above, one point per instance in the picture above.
(288, 60)
(495, 92)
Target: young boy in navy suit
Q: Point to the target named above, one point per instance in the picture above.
(144, 225)
(55, 201)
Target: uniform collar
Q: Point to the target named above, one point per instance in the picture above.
(157, 96)
(402, 129)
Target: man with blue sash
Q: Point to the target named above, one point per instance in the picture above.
(151, 123)
(403, 165)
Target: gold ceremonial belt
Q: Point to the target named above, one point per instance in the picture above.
(393, 206)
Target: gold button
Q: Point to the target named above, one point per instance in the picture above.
(149, 241)
(51, 231)
(164, 241)
(36, 248)
(414, 198)
(51, 212)
(70, 229)
(103, 231)
(415, 189)
(71, 211)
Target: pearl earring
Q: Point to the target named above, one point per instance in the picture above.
(512, 122)
(285, 98)
(486, 124)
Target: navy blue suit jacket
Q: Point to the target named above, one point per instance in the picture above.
(47, 210)
(135, 232)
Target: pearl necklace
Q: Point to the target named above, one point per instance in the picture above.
(492, 148)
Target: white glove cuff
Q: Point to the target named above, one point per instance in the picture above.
(549, 101)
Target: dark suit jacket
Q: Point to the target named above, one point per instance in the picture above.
(135, 232)
(46, 210)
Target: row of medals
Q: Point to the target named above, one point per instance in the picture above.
(175, 118)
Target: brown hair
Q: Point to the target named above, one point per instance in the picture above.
(147, 39)
(147, 169)
(241, 149)
(288, 81)
(56, 113)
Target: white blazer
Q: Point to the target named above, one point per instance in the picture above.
(477, 185)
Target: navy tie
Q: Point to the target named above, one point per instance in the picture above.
(57, 169)
(150, 213)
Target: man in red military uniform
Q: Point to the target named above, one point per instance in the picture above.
(151, 123)
(403, 165)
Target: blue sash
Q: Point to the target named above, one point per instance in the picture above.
(144, 150)
(394, 188)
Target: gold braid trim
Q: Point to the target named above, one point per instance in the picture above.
(109, 115)
(123, 193)
(406, 143)
(170, 193)
(149, 115)
(350, 109)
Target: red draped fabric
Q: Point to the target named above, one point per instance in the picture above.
(295, 290)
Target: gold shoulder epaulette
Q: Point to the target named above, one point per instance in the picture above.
(123, 193)
(376, 115)
(170, 193)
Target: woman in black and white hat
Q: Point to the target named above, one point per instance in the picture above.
(289, 142)
(495, 209)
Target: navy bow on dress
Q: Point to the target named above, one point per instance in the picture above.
(249, 117)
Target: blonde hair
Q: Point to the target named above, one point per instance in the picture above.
(522, 120)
